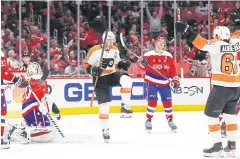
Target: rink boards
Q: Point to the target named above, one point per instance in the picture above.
(73, 96)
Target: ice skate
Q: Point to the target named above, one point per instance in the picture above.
(148, 125)
(5, 144)
(106, 135)
(230, 150)
(172, 125)
(223, 130)
(125, 111)
(215, 151)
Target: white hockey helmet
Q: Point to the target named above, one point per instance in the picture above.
(222, 32)
(33, 69)
(110, 36)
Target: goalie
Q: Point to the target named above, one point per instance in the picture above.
(36, 126)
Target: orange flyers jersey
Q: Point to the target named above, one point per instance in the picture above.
(94, 55)
(225, 69)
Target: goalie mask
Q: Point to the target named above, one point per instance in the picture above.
(34, 69)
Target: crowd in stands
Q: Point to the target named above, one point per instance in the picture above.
(64, 58)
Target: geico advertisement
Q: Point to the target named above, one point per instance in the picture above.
(78, 92)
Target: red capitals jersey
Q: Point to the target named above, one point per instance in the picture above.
(163, 63)
(5, 73)
(29, 101)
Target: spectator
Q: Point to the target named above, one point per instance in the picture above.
(26, 61)
(201, 9)
(56, 70)
(155, 23)
(192, 72)
(71, 69)
(12, 61)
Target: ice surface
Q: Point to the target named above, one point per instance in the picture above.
(128, 139)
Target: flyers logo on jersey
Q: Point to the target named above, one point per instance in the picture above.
(230, 48)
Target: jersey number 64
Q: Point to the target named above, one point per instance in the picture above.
(227, 65)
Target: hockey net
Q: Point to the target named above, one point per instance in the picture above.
(14, 96)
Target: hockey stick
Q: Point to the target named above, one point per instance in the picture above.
(95, 83)
(124, 46)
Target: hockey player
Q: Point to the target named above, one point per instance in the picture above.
(8, 76)
(235, 36)
(109, 76)
(225, 78)
(37, 126)
(162, 61)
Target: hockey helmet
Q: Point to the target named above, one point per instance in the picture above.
(110, 36)
(33, 69)
(221, 32)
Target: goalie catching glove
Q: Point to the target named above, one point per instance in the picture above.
(19, 81)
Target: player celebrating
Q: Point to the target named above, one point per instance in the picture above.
(8, 76)
(37, 126)
(225, 78)
(162, 61)
(235, 36)
(108, 76)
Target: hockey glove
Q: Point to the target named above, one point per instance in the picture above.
(175, 82)
(20, 82)
(183, 29)
(44, 107)
(124, 64)
(144, 62)
(94, 71)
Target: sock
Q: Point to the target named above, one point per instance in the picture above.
(151, 108)
(168, 109)
(126, 83)
(231, 126)
(126, 95)
(104, 121)
(214, 129)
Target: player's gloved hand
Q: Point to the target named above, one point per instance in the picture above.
(124, 64)
(20, 82)
(43, 107)
(96, 71)
(175, 82)
(183, 29)
(144, 62)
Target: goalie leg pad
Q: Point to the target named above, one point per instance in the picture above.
(42, 134)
